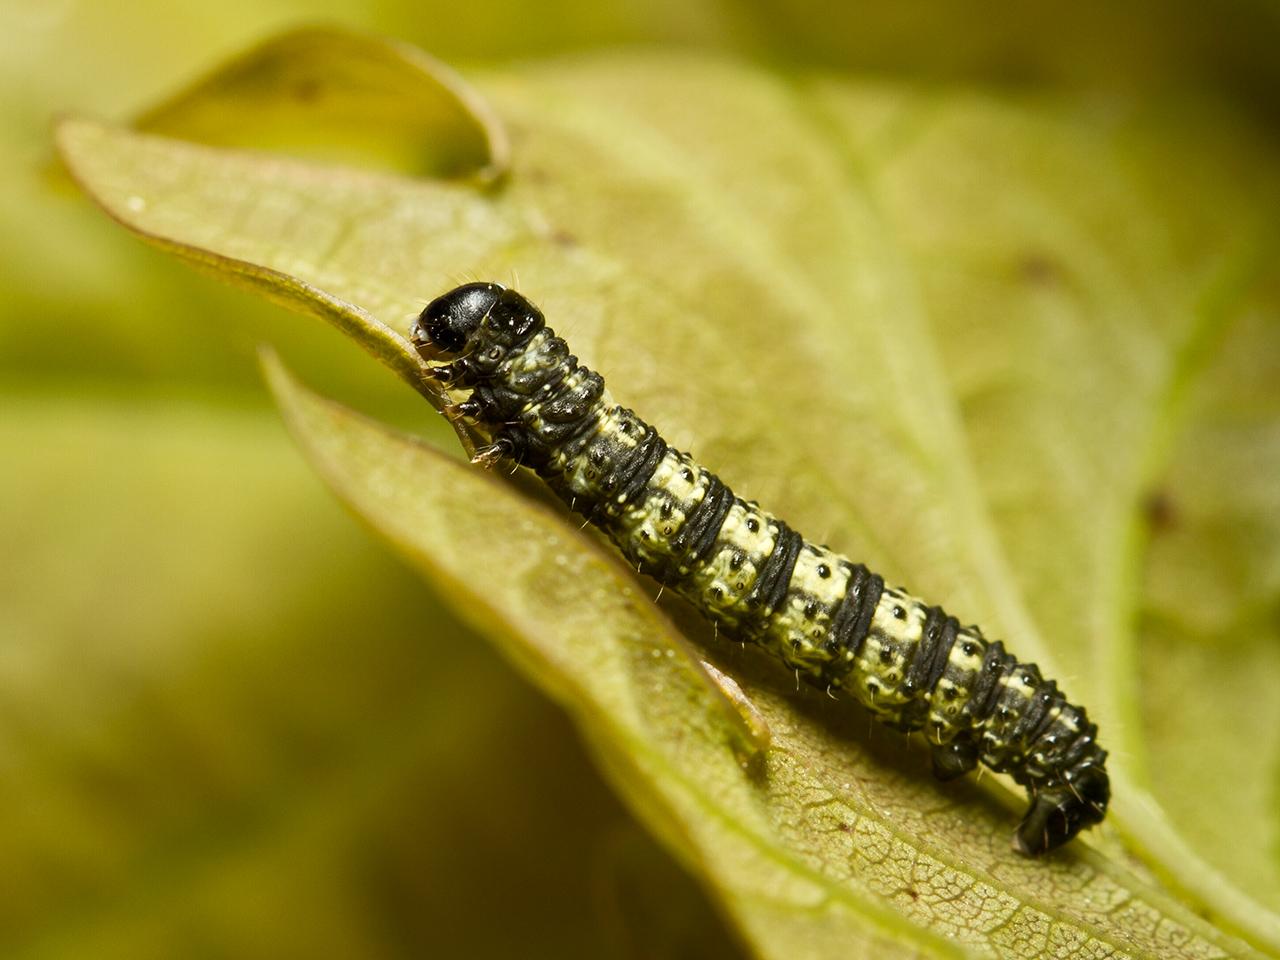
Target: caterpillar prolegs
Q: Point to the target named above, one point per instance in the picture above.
(831, 620)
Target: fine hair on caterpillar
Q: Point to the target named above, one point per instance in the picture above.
(832, 621)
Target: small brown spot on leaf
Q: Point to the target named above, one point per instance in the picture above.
(1039, 269)
(307, 90)
(1160, 511)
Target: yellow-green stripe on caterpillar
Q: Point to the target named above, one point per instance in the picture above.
(831, 620)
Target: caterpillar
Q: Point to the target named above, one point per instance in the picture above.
(833, 621)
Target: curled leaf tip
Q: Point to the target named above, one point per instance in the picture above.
(332, 95)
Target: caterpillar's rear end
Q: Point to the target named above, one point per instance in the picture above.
(830, 620)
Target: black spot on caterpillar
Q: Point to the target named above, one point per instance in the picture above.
(831, 620)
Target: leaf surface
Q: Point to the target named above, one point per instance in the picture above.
(951, 333)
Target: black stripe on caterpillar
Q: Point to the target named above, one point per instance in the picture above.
(832, 621)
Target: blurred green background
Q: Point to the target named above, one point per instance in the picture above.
(230, 723)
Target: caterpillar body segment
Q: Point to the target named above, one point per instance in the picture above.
(832, 621)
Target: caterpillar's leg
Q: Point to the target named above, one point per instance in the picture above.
(505, 446)
(955, 759)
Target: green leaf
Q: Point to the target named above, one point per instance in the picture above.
(815, 858)
(963, 336)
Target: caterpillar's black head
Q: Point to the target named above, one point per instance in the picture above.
(1061, 811)
(453, 323)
